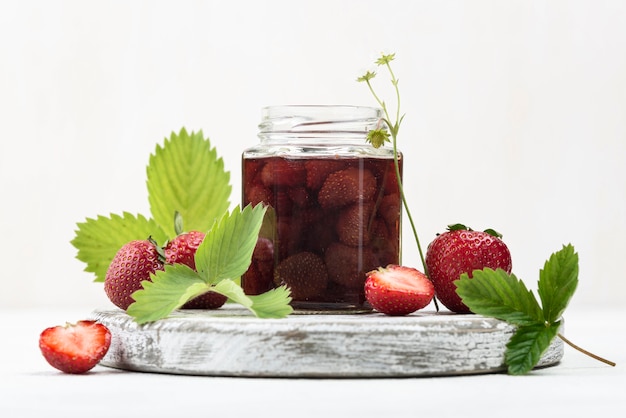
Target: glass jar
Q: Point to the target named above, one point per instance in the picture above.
(334, 205)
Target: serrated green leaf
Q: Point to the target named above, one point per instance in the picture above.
(227, 248)
(557, 282)
(233, 292)
(271, 304)
(186, 176)
(527, 345)
(499, 295)
(274, 303)
(98, 240)
(169, 290)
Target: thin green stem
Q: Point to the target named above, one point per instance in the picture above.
(394, 81)
(582, 350)
(404, 202)
(394, 128)
(380, 103)
(394, 135)
(406, 207)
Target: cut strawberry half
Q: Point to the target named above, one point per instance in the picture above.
(398, 290)
(75, 348)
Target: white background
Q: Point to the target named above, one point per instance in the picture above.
(515, 117)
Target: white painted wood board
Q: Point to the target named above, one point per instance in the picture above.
(231, 342)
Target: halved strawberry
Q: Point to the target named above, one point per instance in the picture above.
(397, 290)
(75, 348)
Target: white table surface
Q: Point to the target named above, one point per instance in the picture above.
(578, 386)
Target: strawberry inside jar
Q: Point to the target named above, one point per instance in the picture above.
(334, 207)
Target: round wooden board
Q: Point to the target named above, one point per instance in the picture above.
(231, 342)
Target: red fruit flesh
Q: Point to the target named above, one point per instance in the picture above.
(132, 264)
(397, 290)
(306, 218)
(75, 348)
(462, 251)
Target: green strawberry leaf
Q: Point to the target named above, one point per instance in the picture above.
(185, 176)
(169, 290)
(502, 296)
(499, 295)
(173, 287)
(273, 303)
(233, 292)
(226, 251)
(225, 254)
(557, 282)
(98, 240)
(527, 345)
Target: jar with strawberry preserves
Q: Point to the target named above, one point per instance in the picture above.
(334, 206)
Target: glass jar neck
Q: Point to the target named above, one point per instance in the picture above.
(318, 124)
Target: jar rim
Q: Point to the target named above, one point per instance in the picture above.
(320, 118)
(305, 107)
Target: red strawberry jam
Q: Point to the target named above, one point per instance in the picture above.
(324, 238)
(333, 205)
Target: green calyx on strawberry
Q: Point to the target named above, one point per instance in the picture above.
(75, 348)
(463, 250)
(397, 290)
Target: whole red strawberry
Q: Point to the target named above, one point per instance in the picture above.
(398, 290)
(304, 273)
(75, 348)
(132, 264)
(348, 266)
(182, 250)
(347, 186)
(462, 250)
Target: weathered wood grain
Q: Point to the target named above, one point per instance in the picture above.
(231, 342)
